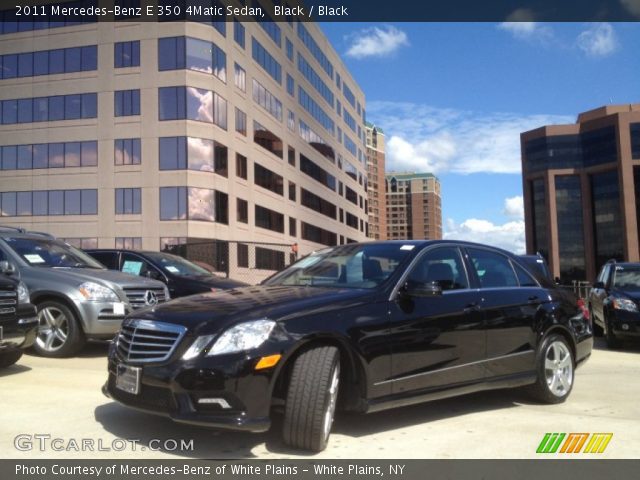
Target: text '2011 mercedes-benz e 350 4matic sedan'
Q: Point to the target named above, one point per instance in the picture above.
(358, 327)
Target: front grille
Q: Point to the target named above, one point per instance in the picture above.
(145, 297)
(8, 302)
(152, 398)
(147, 341)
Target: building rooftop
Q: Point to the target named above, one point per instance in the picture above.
(409, 175)
(371, 125)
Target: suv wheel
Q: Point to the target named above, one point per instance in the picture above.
(555, 367)
(59, 332)
(312, 398)
(9, 357)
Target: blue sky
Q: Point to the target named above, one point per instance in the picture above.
(452, 98)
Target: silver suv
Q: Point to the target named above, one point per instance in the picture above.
(77, 298)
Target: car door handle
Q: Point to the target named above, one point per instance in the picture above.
(472, 307)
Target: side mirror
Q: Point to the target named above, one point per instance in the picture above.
(433, 289)
(7, 268)
(599, 285)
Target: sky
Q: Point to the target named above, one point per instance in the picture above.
(453, 98)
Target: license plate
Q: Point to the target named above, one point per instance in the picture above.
(128, 379)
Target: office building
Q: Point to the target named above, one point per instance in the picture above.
(145, 134)
(581, 187)
(414, 206)
(376, 183)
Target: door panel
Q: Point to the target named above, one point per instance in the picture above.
(437, 340)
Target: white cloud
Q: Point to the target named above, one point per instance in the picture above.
(599, 40)
(424, 138)
(376, 42)
(509, 236)
(526, 30)
(514, 207)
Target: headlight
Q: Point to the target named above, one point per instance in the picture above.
(197, 346)
(97, 293)
(23, 293)
(625, 304)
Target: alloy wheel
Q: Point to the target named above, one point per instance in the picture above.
(558, 366)
(333, 400)
(53, 329)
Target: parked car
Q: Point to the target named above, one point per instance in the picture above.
(77, 298)
(18, 320)
(614, 300)
(181, 276)
(362, 327)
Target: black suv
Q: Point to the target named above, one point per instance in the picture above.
(181, 276)
(18, 318)
(614, 302)
(361, 327)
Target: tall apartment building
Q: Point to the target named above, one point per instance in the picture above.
(376, 183)
(581, 187)
(414, 206)
(148, 134)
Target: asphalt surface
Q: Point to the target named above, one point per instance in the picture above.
(62, 399)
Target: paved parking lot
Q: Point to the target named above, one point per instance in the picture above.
(62, 398)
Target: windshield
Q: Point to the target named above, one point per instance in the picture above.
(627, 278)
(45, 252)
(346, 266)
(177, 265)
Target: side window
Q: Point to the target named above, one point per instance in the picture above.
(442, 265)
(108, 259)
(493, 269)
(3, 256)
(137, 266)
(524, 278)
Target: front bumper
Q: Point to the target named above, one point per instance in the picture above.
(237, 396)
(21, 333)
(625, 323)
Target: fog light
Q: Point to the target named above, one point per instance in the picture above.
(215, 401)
(625, 326)
(268, 362)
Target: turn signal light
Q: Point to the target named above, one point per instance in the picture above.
(268, 362)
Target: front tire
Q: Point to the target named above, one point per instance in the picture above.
(556, 368)
(311, 399)
(59, 332)
(9, 358)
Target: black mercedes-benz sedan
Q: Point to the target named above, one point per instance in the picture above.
(359, 327)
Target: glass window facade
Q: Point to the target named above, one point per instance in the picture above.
(348, 94)
(267, 100)
(314, 49)
(128, 243)
(265, 60)
(126, 103)
(49, 202)
(316, 234)
(49, 109)
(310, 136)
(128, 201)
(316, 111)
(539, 209)
(242, 210)
(317, 204)
(316, 172)
(265, 178)
(269, 259)
(314, 79)
(267, 139)
(269, 219)
(188, 203)
(241, 166)
(607, 221)
(126, 54)
(127, 151)
(570, 228)
(49, 62)
(241, 122)
(49, 155)
(239, 77)
(199, 154)
(239, 33)
(190, 103)
(177, 53)
(634, 131)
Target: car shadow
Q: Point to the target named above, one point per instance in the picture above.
(127, 423)
(14, 370)
(95, 349)
(628, 345)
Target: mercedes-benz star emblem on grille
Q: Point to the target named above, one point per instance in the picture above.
(150, 298)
